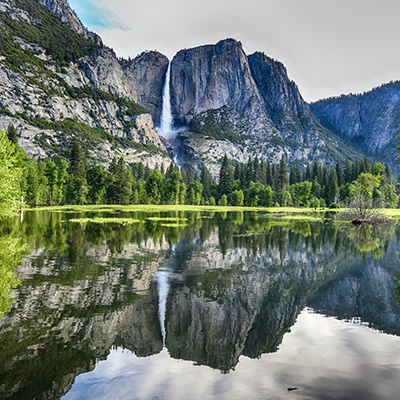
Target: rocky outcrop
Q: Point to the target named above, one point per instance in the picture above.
(67, 15)
(146, 73)
(244, 106)
(90, 98)
(371, 119)
(281, 96)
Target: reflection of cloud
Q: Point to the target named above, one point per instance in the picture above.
(98, 13)
(324, 357)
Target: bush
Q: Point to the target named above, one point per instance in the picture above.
(223, 201)
(334, 205)
(211, 201)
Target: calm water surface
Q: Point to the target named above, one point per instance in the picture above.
(198, 305)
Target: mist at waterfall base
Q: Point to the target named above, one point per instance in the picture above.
(166, 128)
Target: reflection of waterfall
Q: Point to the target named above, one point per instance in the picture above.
(166, 128)
(163, 277)
(163, 289)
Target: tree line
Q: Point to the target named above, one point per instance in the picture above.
(255, 183)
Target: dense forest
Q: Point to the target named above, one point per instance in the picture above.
(255, 183)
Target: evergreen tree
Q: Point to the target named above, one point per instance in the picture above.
(307, 174)
(225, 177)
(12, 135)
(263, 173)
(333, 188)
(77, 187)
(347, 171)
(154, 187)
(282, 174)
(269, 178)
(207, 181)
(51, 175)
(98, 179)
(339, 174)
(387, 177)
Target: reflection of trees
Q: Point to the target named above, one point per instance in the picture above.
(370, 238)
(10, 258)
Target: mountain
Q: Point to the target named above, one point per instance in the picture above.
(244, 106)
(371, 120)
(59, 83)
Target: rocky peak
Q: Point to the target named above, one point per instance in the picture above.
(210, 77)
(282, 98)
(371, 119)
(67, 15)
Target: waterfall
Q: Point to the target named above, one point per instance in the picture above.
(166, 128)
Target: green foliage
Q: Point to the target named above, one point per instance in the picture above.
(45, 29)
(237, 198)
(213, 124)
(10, 257)
(223, 201)
(10, 177)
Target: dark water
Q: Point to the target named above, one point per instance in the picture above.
(224, 306)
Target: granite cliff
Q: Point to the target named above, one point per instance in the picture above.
(371, 120)
(59, 83)
(244, 105)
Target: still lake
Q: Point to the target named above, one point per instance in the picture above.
(197, 305)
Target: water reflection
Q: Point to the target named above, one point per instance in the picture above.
(217, 291)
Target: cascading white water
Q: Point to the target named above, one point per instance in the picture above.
(166, 128)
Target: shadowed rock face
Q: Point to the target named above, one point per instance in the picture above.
(281, 96)
(147, 74)
(243, 106)
(210, 77)
(372, 119)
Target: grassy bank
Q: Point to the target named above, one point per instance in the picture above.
(151, 208)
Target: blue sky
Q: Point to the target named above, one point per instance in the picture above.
(329, 47)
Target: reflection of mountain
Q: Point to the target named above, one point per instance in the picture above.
(67, 317)
(365, 292)
(232, 293)
(241, 304)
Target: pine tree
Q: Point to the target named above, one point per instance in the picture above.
(282, 174)
(269, 179)
(347, 171)
(339, 174)
(206, 180)
(225, 177)
(77, 187)
(12, 135)
(333, 189)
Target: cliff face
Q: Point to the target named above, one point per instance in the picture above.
(244, 106)
(281, 96)
(147, 74)
(372, 119)
(211, 77)
(67, 15)
(72, 87)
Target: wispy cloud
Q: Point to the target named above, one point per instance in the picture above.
(98, 14)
